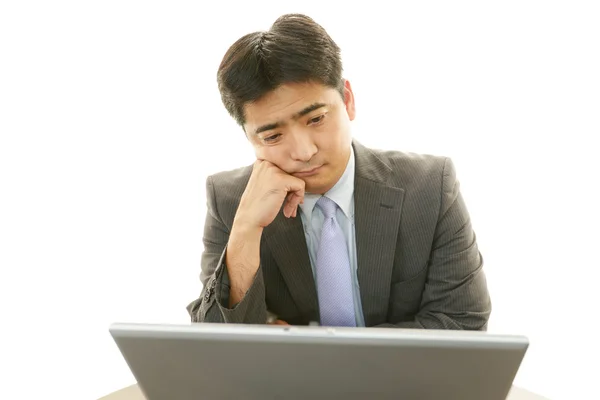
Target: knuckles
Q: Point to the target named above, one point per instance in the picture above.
(268, 174)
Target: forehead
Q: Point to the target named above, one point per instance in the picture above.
(282, 103)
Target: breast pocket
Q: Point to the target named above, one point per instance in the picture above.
(405, 298)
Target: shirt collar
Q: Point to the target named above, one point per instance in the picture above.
(342, 192)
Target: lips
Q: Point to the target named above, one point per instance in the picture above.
(308, 173)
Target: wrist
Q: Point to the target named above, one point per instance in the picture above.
(246, 229)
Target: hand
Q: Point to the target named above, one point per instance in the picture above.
(268, 188)
(278, 322)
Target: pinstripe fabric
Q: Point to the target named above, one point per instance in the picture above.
(418, 261)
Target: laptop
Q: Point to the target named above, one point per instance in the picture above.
(206, 361)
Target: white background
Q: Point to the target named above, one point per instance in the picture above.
(110, 121)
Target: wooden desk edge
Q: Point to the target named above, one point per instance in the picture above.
(133, 392)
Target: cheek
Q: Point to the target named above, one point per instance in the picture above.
(263, 152)
(333, 140)
(275, 155)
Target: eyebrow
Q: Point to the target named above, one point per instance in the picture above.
(303, 112)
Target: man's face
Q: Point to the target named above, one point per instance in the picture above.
(304, 129)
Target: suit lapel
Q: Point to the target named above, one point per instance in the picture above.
(288, 246)
(378, 209)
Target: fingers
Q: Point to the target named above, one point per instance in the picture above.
(275, 177)
(295, 195)
(278, 322)
(292, 201)
(288, 208)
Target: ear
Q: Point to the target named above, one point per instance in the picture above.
(349, 100)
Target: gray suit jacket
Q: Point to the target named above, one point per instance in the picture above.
(418, 261)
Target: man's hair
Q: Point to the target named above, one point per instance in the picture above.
(294, 50)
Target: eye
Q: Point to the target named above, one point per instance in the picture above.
(316, 120)
(272, 138)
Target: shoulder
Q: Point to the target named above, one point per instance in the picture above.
(224, 190)
(412, 168)
(429, 181)
(412, 161)
(230, 181)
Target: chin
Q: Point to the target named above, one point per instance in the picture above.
(316, 186)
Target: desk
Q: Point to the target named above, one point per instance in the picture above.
(133, 393)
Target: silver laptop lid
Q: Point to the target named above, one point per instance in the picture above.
(223, 361)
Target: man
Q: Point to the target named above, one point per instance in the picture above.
(321, 229)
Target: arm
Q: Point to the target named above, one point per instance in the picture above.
(456, 294)
(233, 285)
(237, 300)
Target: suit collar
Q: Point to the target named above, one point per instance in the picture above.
(369, 165)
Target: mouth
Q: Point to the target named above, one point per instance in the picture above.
(302, 174)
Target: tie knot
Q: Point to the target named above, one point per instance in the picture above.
(327, 206)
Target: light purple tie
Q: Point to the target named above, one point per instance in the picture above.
(334, 279)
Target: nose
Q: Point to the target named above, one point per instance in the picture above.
(303, 147)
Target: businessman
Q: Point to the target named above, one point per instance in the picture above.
(321, 228)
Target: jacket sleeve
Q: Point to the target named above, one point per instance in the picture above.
(213, 303)
(456, 294)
